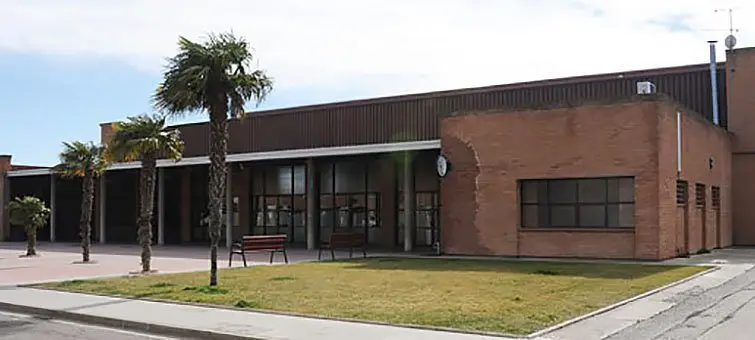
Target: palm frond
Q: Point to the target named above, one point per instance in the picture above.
(211, 73)
(144, 136)
(28, 211)
(253, 87)
(78, 159)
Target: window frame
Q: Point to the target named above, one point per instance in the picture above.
(576, 204)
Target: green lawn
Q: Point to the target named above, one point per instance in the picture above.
(497, 296)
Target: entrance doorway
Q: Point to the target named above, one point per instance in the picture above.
(350, 197)
(426, 198)
(426, 220)
(279, 201)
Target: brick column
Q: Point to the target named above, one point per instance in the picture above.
(242, 191)
(4, 197)
(388, 186)
(53, 180)
(313, 205)
(106, 132)
(185, 205)
(229, 206)
(161, 206)
(101, 205)
(409, 202)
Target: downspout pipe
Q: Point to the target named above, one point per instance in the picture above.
(714, 81)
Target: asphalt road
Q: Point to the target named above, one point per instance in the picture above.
(726, 312)
(21, 327)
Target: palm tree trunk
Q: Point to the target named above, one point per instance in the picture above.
(146, 204)
(85, 222)
(31, 241)
(218, 149)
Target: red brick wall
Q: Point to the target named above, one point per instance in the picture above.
(5, 165)
(490, 151)
(668, 235)
(740, 77)
(577, 244)
(740, 80)
(742, 193)
(106, 132)
(701, 141)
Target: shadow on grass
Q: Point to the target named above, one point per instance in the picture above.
(588, 270)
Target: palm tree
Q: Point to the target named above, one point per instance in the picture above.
(144, 138)
(216, 76)
(31, 213)
(85, 161)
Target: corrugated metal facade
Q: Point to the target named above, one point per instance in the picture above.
(415, 117)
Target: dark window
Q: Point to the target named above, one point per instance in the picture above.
(715, 196)
(682, 191)
(279, 201)
(346, 202)
(570, 203)
(700, 194)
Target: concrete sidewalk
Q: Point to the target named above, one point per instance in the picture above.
(613, 321)
(204, 323)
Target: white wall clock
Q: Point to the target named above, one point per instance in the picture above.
(441, 165)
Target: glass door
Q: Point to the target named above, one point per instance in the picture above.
(280, 202)
(426, 219)
(349, 199)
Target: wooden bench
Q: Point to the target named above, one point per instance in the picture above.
(343, 240)
(272, 243)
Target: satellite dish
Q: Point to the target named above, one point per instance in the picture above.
(730, 41)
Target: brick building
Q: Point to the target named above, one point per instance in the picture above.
(575, 167)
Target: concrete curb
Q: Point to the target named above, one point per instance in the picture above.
(553, 328)
(132, 326)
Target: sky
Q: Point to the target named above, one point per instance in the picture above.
(68, 65)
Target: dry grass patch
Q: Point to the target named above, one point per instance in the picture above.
(496, 296)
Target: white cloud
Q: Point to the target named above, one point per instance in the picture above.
(386, 46)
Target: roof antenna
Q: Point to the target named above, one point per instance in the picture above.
(730, 40)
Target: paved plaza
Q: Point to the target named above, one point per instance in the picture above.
(57, 261)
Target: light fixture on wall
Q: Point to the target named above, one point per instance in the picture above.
(711, 163)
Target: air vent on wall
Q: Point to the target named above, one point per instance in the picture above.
(645, 87)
